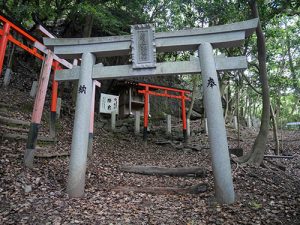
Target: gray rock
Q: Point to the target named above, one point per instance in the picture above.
(123, 129)
(27, 188)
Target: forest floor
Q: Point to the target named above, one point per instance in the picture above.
(265, 195)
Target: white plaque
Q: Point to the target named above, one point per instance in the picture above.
(109, 103)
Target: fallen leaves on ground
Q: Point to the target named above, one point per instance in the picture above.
(263, 195)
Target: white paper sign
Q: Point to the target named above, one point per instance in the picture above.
(109, 103)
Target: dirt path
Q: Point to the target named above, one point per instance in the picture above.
(264, 195)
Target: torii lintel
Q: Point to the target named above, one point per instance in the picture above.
(223, 36)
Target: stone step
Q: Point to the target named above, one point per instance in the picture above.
(10, 121)
(17, 129)
(15, 136)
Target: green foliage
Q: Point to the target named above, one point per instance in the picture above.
(279, 19)
(255, 205)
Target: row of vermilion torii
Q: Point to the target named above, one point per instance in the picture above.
(142, 44)
(55, 65)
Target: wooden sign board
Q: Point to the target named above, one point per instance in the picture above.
(109, 103)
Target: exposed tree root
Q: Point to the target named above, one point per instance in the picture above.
(153, 170)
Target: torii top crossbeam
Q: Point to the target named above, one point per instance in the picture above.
(222, 36)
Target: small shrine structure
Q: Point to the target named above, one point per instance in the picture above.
(134, 96)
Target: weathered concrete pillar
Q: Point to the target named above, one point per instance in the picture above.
(235, 122)
(205, 126)
(169, 124)
(78, 159)
(146, 113)
(58, 108)
(216, 125)
(54, 115)
(249, 122)
(7, 77)
(113, 120)
(52, 124)
(34, 88)
(188, 127)
(130, 100)
(137, 122)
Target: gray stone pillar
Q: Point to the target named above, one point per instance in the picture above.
(113, 120)
(137, 122)
(34, 88)
(205, 126)
(235, 122)
(54, 115)
(58, 108)
(188, 127)
(216, 126)
(52, 124)
(130, 100)
(169, 124)
(249, 122)
(78, 160)
(7, 77)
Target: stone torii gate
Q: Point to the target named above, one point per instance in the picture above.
(143, 45)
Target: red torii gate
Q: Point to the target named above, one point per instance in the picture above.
(166, 93)
(51, 62)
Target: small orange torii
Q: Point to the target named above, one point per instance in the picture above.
(182, 96)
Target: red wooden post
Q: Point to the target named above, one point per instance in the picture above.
(3, 44)
(38, 110)
(54, 93)
(42, 89)
(183, 115)
(146, 113)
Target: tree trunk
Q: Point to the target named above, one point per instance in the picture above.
(226, 96)
(293, 73)
(275, 130)
(291, 65)
(87, 29)
(238, 111)
(256, 155)
(250, 106)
